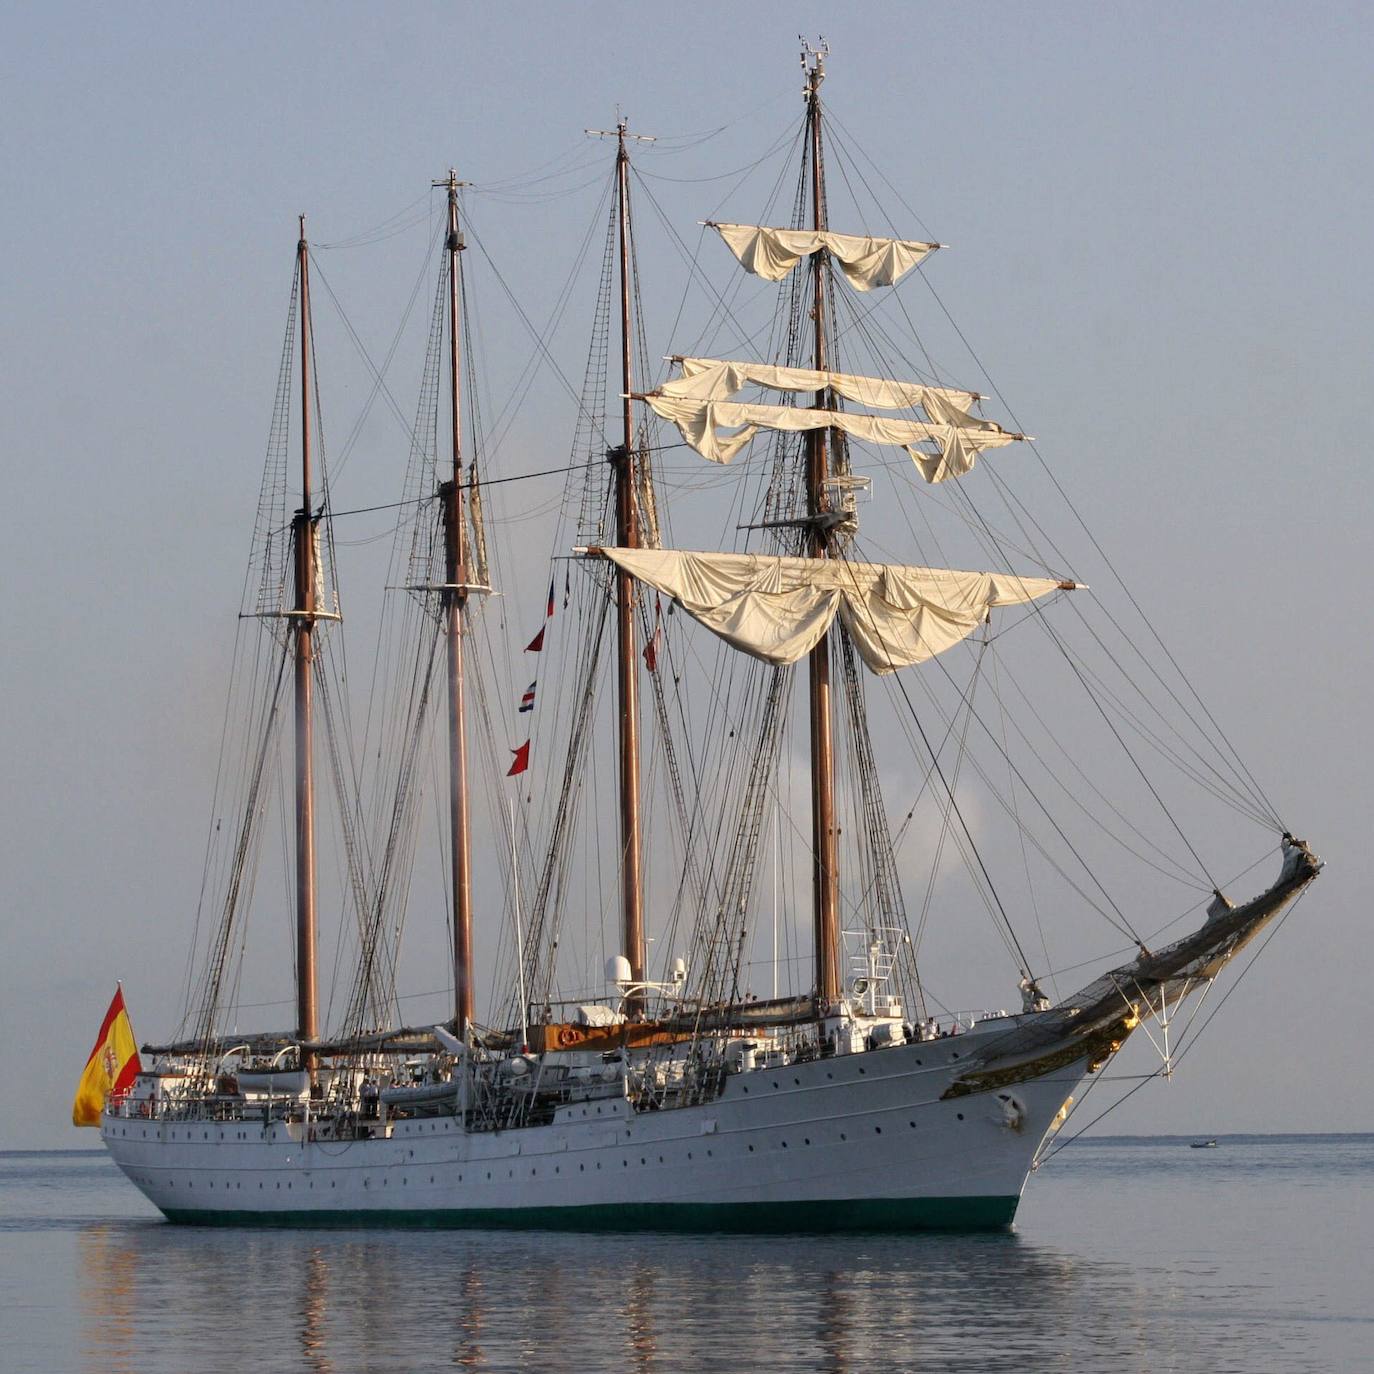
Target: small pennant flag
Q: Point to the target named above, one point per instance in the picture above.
(567, 587)
(111, 1068)
(522, 760)
(537, 642)
(527, 701)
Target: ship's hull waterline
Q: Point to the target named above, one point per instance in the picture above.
(862, 1142)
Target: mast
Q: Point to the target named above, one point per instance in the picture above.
(454, 601)
(307, 1011)
(825, 861)
(627, 664)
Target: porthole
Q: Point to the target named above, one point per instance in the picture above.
(960, 1115)
(877, 1130)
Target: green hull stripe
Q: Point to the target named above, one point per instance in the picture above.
(859, 1214)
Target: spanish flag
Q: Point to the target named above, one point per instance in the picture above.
(112, 1066)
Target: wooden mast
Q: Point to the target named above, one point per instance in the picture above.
(307, 1010)
(454, 601)
(627, 534)
(825, 861)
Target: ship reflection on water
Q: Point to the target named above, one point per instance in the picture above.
(1135, 1256)
(333, 1302)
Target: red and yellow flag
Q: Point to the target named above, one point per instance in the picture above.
(112, 1067)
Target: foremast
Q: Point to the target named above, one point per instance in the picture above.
(824, 845)
(304, 615)
(453, 600)
(780, 608)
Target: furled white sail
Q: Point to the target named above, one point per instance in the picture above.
(961, 436)
(866, 262)
(718, 379)
(776, 608)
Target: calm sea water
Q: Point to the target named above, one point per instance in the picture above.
(1129, 1254)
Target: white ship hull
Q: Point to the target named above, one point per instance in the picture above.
(861, 1141)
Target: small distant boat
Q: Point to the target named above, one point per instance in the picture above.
(1203, 1145)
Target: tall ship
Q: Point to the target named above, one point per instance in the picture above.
(655, 1046)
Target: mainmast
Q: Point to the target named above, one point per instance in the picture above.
(454, 601)
(825, 864)
(304, 616)
(623, 461)
(627, 663)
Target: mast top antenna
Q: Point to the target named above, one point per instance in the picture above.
(813, 61)
(450, 183)
(621, 131)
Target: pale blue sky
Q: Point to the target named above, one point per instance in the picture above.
(1159, 217)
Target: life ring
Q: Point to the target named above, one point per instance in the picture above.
(567, 1036)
